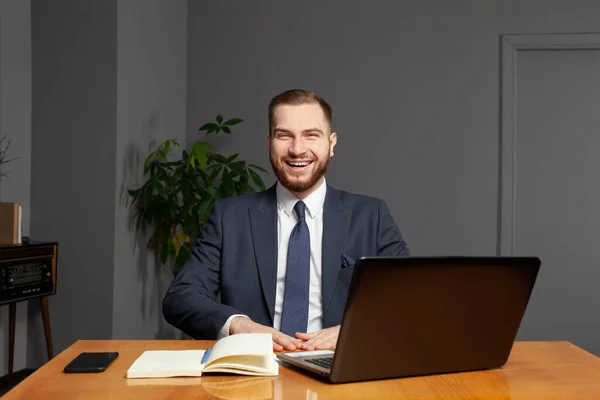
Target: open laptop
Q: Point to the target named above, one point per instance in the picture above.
(408, 316)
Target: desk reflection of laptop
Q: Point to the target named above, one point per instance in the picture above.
(408, 316)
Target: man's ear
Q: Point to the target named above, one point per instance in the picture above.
(332, 142)
(268, 141)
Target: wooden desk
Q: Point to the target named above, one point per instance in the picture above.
(536, 370)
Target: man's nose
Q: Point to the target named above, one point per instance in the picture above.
(298, 147)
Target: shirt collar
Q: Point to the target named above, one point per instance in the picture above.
(314, 201)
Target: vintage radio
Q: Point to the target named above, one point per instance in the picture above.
(27, 271)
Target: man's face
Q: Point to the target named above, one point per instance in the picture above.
(300, 146)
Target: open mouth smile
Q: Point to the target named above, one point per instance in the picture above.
(298, 166)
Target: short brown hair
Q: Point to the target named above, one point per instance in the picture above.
(295, 97)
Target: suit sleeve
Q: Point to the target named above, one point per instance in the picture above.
(389, 239)
(190, 303)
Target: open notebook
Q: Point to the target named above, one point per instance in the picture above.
(243, 354)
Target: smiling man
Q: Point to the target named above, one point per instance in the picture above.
(283, 259)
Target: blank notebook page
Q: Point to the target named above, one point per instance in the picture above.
(165, 360)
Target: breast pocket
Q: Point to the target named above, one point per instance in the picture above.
(347, 268)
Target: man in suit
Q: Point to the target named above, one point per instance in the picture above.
(283, 259)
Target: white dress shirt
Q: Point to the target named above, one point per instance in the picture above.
(286, 220)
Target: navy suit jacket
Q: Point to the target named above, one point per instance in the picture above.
(237, 254)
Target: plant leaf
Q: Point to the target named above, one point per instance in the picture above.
(226, 183)
(232, 157)
(208, 127)
(219, 118)
(256, 179)
(214, 173)
(204, 210)
(197, 154)
(208, 147)
(149, 159)
(238, 167)
(242, 185)
(233, 121)
(220, 159)
(258, 168)
(226, 129)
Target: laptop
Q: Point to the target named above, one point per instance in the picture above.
(410, 316)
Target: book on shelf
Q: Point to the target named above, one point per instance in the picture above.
(11, 222)
(242, 354)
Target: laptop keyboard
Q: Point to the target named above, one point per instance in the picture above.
(324, 362)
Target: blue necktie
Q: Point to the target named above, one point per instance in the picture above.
(294, 316)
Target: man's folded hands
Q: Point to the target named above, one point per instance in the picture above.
(324, 339)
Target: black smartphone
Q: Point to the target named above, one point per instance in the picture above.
(91, 362)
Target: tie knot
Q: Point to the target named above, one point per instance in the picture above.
(300, 209)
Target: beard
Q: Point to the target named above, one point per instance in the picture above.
(300, 184)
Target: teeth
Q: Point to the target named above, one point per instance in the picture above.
(298, 164)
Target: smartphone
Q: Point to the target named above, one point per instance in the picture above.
(91, 362)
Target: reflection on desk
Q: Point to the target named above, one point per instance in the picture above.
(233, 388)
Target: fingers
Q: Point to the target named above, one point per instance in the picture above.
(326, 345)
(314, 343)
(287, 342)
(322, 340)
(305, 336)
(277, 346)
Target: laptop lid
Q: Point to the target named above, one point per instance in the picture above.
(408, 316)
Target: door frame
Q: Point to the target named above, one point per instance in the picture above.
(510, 45)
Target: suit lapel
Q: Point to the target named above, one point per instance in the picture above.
(263, 222)
(336, 220)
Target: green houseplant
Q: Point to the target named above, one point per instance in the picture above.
(176, 199)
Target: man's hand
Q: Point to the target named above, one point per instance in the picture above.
(325, 339)
(281, 341)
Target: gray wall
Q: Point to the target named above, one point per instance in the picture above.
(414, 87)
(15, 117)
(109, 78)
(151, 96)
(74, 71)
